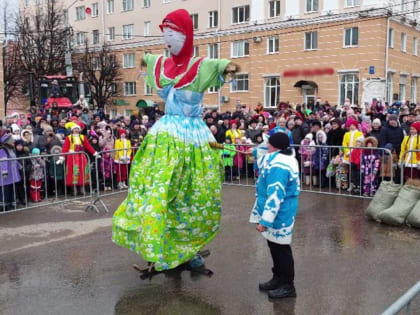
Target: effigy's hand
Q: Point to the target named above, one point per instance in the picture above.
(231, 68)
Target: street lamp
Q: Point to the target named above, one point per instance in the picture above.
(67, 56)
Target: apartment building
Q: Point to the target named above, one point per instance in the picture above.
(287, 50)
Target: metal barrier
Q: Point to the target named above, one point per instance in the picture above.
(323, 168)
(410, 169)
(404, 301)
(43, 180)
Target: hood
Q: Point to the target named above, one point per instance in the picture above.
(323, 136)
(179, 21)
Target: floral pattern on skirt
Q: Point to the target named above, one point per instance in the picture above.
(173, 207)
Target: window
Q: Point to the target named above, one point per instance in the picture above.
(146, 31)
(128, 113)
(95, 64)
(240, 83)
(404, 5)
(391, 38)
(272, 92)
(129, 88)
(213, 19)
(111, 33)
(274, 8)
(129, 60)
(272, 44)
(95, 37)
(213, 51)
(213, 89)
(80, 38)
(166, 1)
(80, 13)
(128, 5)
(351, 37)
(389, 90)
(95, 9)
(128, 31)
(113, 113)
(166, 52)
(403, 42)
(147, 89)
(415, 46)
(196, 51)
(240, 48)
(312, 5)
(402, 87)
(352, 3)
(413, 98)
(110, 6)
(113, 89)
(240, 14)
(311, 40)
(349, 88)
(194, 18)
(146, 3)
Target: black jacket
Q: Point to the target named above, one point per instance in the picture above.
(375, 133)
(298, 133)
(393, 135)
(335, 137)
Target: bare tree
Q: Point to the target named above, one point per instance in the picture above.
(12, 71)
(102, 71)
(42, 39)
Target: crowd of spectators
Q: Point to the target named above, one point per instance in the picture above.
(44, 130)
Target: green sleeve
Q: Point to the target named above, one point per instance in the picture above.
(150, 61)
(210, 70)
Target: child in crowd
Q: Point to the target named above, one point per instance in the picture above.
(355, 162)
(320, 160)
(106, 170)
(122, 158)
(306, 154)
(388, 163)
(370, 167)
(56, 171)
(36, 176)
(238, 161)
(21, 187)
(228, 155)
(410, 160)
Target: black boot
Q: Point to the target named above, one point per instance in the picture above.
(286, 290)
(272, 284)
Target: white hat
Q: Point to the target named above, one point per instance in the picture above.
(15, 128)
(309, 136)
(378, 121)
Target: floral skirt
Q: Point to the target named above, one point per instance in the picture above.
(173, 207)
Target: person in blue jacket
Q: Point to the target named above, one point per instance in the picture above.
(274, 212)
(281, 127)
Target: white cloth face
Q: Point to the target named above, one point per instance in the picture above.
(173, 40)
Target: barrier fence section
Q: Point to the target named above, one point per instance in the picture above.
(44, 180)
(335, 170)
(409, 165)
(404, 302)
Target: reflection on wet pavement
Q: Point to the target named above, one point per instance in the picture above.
(344, 265)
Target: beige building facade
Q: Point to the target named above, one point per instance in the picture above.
(287, 50)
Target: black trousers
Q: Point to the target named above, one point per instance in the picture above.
(283, 264)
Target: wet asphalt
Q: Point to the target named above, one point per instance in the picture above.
(61, 260)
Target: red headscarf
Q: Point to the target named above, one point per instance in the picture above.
(179, 21)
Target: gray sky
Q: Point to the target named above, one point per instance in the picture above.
(13, 6)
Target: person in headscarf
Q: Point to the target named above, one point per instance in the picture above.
(175, 168)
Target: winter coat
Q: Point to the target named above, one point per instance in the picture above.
(410, 159)
(85, 118)
(38, 169)
(122, 156)
(252, 133)
(238, 159)
(234, 134)
(349, 141)
(228, 155)
(335, 138)
(277, 196)
(106, 143)
(9, 169)
(356, 157)
(393, 135)
(298, 134)
(375, 133)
